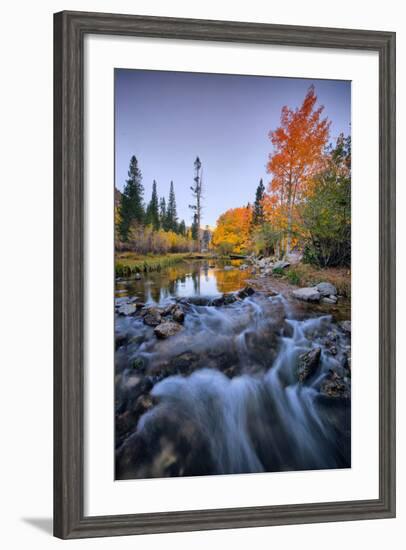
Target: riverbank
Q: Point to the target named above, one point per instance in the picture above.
(129, 263)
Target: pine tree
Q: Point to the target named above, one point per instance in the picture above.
(258, 210)
(162, 213)
(152, 215)
(171, 213)
(197, 207)
(182, 228)
(132, 206)
(195, 228)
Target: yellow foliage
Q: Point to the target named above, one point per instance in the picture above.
(232, 233)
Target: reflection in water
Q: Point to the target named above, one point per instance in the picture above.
(185, 279)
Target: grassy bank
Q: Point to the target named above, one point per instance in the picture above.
(128, 263)
(307, 275)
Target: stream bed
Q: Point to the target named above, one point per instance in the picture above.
(215, 376)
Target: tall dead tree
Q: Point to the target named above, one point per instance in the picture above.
(197, 195)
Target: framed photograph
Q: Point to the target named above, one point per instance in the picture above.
(224, 224)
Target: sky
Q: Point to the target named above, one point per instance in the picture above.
(167, 118)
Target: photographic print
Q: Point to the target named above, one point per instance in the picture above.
(232, 206)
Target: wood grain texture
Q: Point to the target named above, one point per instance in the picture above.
(69, 30)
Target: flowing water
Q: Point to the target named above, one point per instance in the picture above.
(223, 395)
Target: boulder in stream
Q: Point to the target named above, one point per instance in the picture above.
(327, 289)
(178, 314)
(346, 326)
(245, 292)
(307, 294)
(167, 329)
(152, 316)
(308, 364)
(127, 309)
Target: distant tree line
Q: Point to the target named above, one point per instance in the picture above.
(136, 222)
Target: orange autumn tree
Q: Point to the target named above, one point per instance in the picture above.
(232, 233)
(298, 147)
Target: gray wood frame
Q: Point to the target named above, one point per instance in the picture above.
(69, 31)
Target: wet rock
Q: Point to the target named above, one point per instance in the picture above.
(196, 301)
(347, 359)
(329, 300)
(245, 292)
(127, 309)
(336, 386)
(167, 329)
(169, 309)
(143, 404)
(307, 294)
(228, 268)
(308, 364)
(137, 276)
(152, 316)
(346, 326)
(224, 300)
(326, 289)
(120, 340)
(243, 267)
(178, 314)
(282, 264)
(185, 363)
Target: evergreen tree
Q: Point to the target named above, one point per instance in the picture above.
(132, 206)
(152, 215)
(171, 213)
(162, 213)
(182, 228)
(195, 228)
(258, 210)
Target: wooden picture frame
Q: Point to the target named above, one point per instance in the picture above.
(70, 29)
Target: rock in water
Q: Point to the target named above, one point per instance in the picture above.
(137, 276)
(228, 268)
(329, 300)
(152, 317)
(178, 314)
(245, 292)
(307, 294)
(346, 326)
(127, 309)
(308, 363)
(326, 289)
(166, 329)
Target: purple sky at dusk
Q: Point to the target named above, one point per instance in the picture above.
(166, 119)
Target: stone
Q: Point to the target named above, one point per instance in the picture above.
(167, 329)
(328, 300)
(152, 317)
(127, 309)
(137, 276)
(243, 267)
(326, 289)
(336, 387)
(346, 326)
(228, 268)
(245, 292)
(308, 364)
(178, 314)
(168, 310)
(307, 294)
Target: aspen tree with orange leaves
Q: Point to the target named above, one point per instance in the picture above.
(298, 154)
